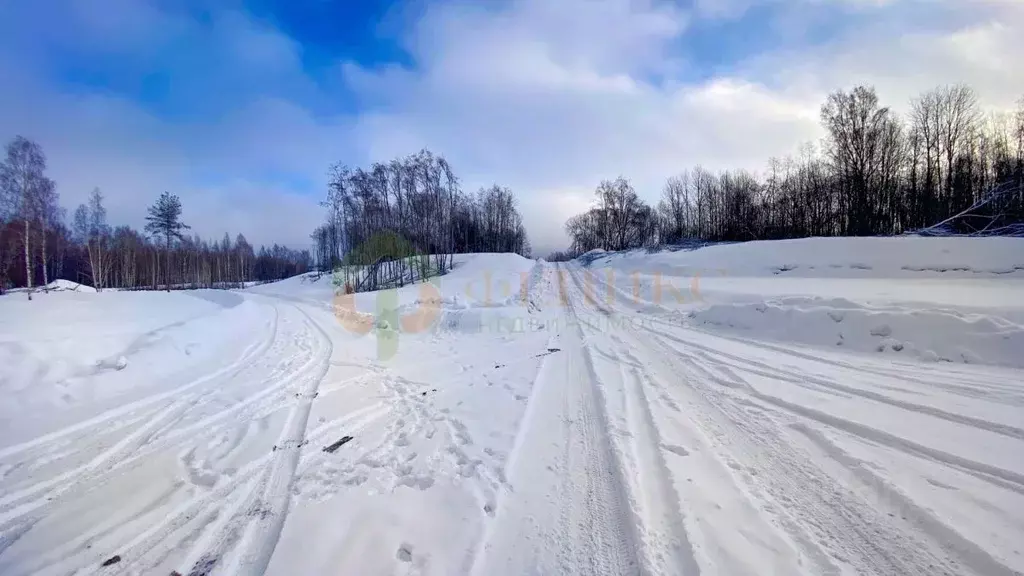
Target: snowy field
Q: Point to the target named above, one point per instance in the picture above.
(820, 406)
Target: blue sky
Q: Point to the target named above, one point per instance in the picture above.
(241, 106)
(193, 73)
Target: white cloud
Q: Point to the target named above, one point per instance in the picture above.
(133, 156)
(546, 97)
(219, 168)
(523, 97)
(980, 51)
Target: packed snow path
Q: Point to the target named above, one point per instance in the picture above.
(578, 430)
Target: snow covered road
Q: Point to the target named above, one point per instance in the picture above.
(110, 481)
(789, 462)
(571, 429)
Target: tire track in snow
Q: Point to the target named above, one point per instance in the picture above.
(1010, 479)
(663, 509)
(12, 504)
(477, 557)
(821, 514)
(264, 401)
(248, 490)
(566, 512)
(979, 560)
(726, 360)
(992, 389)
(814, 508)
(815, 513)
(125, 454)
(824, 385)
(919, 519)
(599, 498)
(141, 443)
(197, 522)
(260, 539)
(245, 359)
(1003, 478)
(659, 523)
(16, 505)
(539, 286)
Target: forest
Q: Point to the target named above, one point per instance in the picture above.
(947, 168)
(38, 243)
(397, 222)
(388, 224)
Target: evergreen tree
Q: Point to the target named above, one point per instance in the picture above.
(164, 220)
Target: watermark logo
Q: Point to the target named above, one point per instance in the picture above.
(384, 261)
(384, 257)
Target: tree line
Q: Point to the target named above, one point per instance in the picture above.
(875, 173)
(38, 244)
(403, 220)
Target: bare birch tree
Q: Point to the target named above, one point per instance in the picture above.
(29, 191)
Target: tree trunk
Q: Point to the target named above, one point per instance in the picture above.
(91, 251)
(42, 250)
(167, 264)
(28, 259)
(103, 260)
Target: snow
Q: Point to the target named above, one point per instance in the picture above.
(475, 279)
(69, 285)
(926, 334)
(59, 286)
(882, 295)
(824, 406)
(905, 257)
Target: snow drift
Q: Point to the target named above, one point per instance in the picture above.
(479, 291)
(931, 335)
(903, 257)
(79, 349)
(931, 299)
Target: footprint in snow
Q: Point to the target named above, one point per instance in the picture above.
(677, 450)
(404, 552)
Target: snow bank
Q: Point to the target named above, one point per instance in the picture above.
(78, 350)
(902, 257)
(931, 335)
(478, 290)
(933, 299)
(58, 285)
